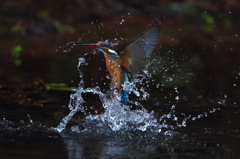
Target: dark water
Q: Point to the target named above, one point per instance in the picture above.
(211, 129)
(214, 136)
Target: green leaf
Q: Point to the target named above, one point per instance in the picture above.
(209, 22)
(18, 48)
(63, 89)
(15, 52)
(208, 28)
(17, 62)
(226, 22)
(44, 14)
(16, 28)
(60, 28)
(207, 18)
(60, 87)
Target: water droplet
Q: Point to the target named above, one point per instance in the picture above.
(205, 114)
(30, 120)
(225, 96)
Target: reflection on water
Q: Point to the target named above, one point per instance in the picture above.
(174, 146)
(34, 140)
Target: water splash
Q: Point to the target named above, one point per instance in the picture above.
(68, 47)
(118, 117)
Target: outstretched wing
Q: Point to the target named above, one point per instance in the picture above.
(134, 56)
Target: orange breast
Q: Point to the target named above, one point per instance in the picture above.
(124, 60)
(114, 70)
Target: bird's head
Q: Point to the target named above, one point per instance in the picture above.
(104, 47)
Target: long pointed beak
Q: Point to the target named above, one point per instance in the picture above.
(91, 45)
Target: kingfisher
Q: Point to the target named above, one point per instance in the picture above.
(130, 61)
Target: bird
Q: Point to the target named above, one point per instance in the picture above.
(130, 61)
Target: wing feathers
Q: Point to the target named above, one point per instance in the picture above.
(135, 55)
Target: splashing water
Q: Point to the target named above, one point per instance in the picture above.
(118, 117)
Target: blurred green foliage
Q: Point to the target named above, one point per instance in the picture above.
(226, 22)
(15, 54)
(209, 22)
(56, 24)
(183, 9)
(44, 14)
(60, 87)
(16, 28)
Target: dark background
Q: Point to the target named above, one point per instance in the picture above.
(196, 67)
(198, 51)
(202, 36)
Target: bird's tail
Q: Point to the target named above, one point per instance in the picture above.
(124, 96)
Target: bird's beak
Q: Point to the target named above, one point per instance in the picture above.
(91, 45)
